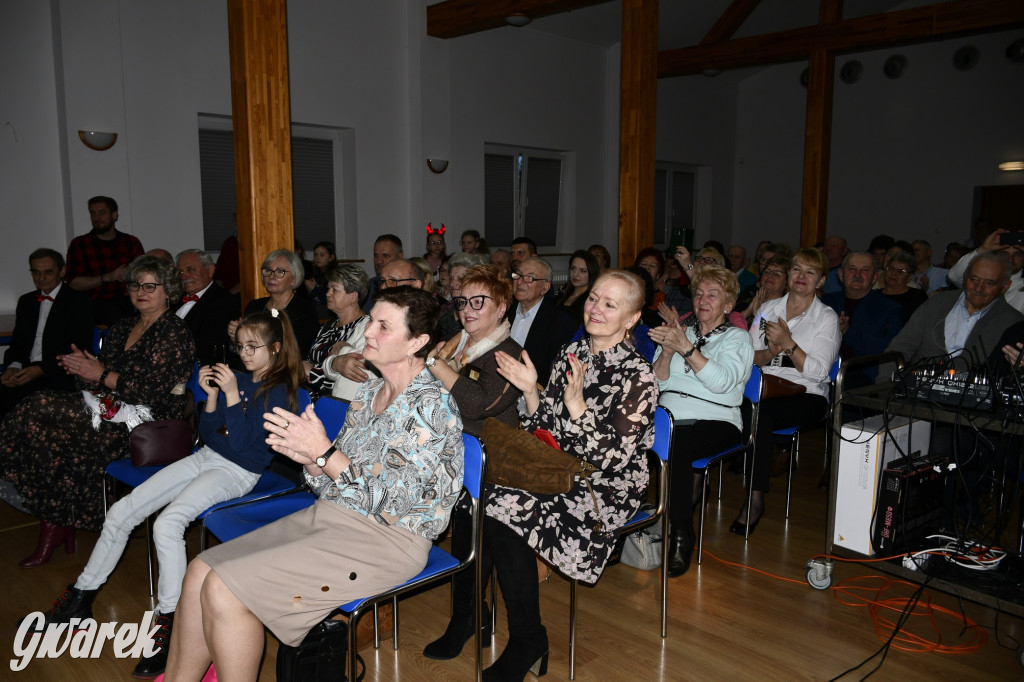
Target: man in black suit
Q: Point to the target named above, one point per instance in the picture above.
(538, 325)
(47, 321)
(206, 307)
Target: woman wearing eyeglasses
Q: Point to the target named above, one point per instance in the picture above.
(458, 265)
(466, 366)
(899, 270)
(281, 274)
(55, 446)
(772, 284)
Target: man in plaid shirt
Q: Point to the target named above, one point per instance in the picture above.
(97, 262)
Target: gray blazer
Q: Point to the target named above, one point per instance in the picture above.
(924, 335)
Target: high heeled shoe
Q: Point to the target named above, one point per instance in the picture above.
(50, 537)
(741, 528)
(459, 631)
(520, 657)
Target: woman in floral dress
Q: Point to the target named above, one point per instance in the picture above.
(54, 447)
(599, 405)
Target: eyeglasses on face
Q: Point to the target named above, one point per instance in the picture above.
(148, 287)
(902, 271)
(276, 273)
(248, 349)
(706, 260)
(774, 273)
(529, 279)
(474, 302)
(392, 282)
(435, 242)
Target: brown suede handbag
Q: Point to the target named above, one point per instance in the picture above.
(777, 387)
(519, 459)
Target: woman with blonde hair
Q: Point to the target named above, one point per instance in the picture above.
(702, 365)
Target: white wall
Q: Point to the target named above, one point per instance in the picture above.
(32, 192)
(906, 153)
(523, 87)
(146, 70)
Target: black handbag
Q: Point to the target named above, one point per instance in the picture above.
(320, 657)
(160, 442)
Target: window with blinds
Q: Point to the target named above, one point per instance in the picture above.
(313, 187)
(523, 195)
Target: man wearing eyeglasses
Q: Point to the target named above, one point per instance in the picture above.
(47, 321)
(538, 325)
(386, 248)
(401, 273)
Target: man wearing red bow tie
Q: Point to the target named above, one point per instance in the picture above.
(47, 321)
(206, 307)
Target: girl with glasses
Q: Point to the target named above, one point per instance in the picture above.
(230, 463)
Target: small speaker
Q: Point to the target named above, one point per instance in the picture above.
(894, 66)
(966, 57)
(851, 72)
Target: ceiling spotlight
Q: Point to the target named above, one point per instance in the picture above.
(1012, 166)
(517, 19)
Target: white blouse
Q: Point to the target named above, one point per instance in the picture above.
(816, 331)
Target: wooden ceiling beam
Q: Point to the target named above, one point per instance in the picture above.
(730, 21)
(453, 18)
(942, 20)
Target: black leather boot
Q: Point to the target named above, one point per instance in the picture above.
(527, 648)
(459, 631)
(72, 603)
(151, 666)
(680, 551)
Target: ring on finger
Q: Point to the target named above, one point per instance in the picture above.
(286, 424)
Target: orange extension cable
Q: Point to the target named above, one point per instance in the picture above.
(870, 592)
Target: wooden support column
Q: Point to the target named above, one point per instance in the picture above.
(261, 113)
(818, 133)
(638, 116)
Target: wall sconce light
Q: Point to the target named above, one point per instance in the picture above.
(517, 19)
(1012, 166)
(437, 165)
(97, 141)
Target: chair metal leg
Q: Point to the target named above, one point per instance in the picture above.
(572, 629)
(353, 652)
(149, 552)
(703, 512)
(394, 624)
(794, 452)
(494, 601)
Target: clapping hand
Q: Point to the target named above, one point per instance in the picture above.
(573, 395)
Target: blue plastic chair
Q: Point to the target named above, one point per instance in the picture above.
(793, 433)
(752, 392)
(331, 412)
(440, 564)
(662, 447)
(124, 472)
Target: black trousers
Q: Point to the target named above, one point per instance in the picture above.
(805, 409)
(691, 442)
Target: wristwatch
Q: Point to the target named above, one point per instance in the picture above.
(321, 461)
(789, 351)
(431, 361)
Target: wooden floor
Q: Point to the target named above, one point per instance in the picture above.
(753, 618)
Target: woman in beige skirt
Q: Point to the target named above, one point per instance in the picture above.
(386, 488)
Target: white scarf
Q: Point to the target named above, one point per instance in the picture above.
(457, 343)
